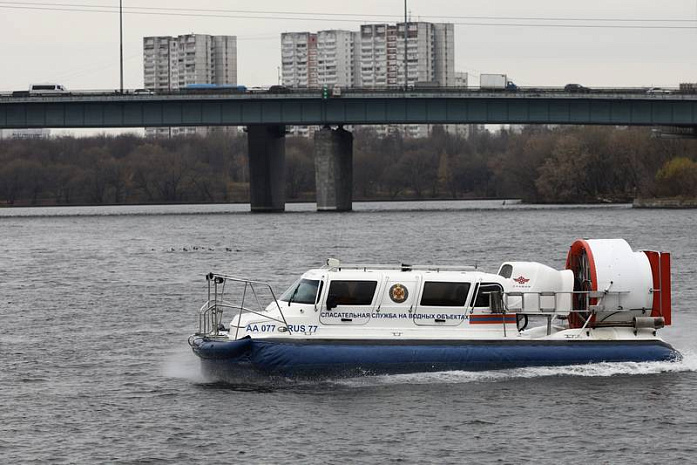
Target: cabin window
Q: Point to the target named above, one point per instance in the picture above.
(506, 271)
(351, 292)
(483, 294)
(304, 291)
(438, 294)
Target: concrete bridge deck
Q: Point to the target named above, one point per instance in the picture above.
(113, 110)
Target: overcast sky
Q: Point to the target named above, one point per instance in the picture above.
(80, 49)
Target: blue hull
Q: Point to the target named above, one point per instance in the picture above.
(323, 358)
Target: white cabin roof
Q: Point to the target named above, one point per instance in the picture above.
(367, 273)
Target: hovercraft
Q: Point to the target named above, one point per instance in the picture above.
(344, 320)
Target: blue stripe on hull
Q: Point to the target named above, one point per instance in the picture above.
(322, 359)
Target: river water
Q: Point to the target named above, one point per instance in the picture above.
(96, 305)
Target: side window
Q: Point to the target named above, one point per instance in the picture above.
(437, 294)
(483, 296)
(351, 292)
(506, 271)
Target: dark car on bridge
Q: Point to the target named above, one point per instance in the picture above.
(576, 89)
(278, 89)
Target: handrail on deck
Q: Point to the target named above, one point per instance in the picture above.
(210, 314)
(539, 309)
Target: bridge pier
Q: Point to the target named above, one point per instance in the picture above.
(267, 167)
(334, 169)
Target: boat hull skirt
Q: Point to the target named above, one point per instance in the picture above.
(322, 358)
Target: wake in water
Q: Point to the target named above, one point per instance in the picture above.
(184, 365)
(598, 370)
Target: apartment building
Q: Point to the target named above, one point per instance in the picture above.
(171, 63)
(444, 54)
(373, 57)
(335, 63)
(430, 54)
(299, 59)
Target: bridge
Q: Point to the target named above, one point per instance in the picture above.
(114, 110)
(266, 114)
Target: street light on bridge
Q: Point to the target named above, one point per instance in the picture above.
(121, 41)
(406, 69)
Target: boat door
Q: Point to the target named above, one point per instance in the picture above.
(442, 303)
(398, 298)
(348, 302)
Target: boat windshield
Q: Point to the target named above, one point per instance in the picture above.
(303, 291)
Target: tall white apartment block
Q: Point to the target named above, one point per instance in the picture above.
(335, 63)
(376, 42)
(299, 59)
(430, 54)
(444, 54)
(158, 65)
(420, 54)
(171, 63)
(224, 60)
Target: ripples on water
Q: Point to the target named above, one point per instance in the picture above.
(97, 302)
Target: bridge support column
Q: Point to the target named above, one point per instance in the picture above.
(267, 167)
(334, 169)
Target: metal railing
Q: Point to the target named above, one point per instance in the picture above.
(536, 306)
(335, 264)
(210, 322)
(591, 304)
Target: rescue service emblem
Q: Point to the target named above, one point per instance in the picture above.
(398, 293)
(521, 279)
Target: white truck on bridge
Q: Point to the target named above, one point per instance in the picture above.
(496, 82)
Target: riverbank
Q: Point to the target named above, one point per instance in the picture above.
(675, 202)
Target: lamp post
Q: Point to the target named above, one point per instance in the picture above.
(406, 68)
(121, 41)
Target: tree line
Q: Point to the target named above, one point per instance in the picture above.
(573, 164)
